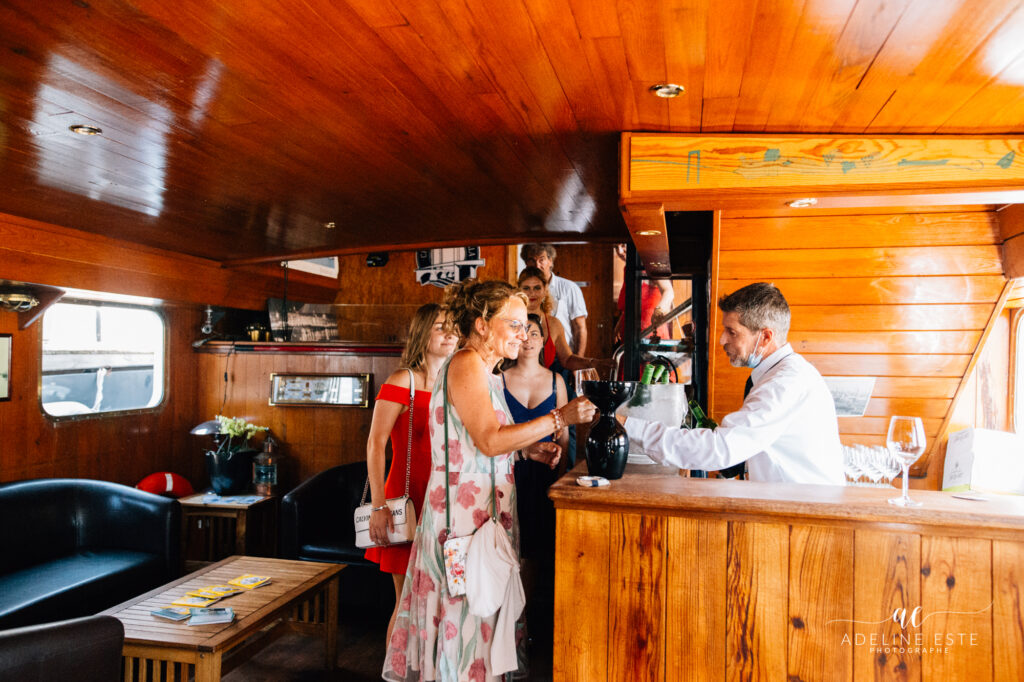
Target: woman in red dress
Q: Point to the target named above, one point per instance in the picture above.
(426, 350)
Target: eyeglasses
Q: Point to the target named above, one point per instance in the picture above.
(515, 325)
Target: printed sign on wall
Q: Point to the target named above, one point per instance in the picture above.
(442, 267)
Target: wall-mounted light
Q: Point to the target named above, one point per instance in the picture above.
(85, 130)
(806, 202)
(18, 303)
(667, 90)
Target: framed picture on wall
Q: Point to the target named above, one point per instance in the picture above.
(327, 390)
(5, 366)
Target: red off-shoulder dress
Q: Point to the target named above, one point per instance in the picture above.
(395, 558)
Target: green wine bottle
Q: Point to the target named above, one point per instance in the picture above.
(703, 421)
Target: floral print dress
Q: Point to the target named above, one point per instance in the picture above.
(435, 637)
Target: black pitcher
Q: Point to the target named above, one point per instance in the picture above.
(607, 444)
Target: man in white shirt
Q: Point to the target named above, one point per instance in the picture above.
(570, 308)
(786, 429)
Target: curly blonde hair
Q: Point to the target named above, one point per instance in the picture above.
(465, 301)
(532, 272)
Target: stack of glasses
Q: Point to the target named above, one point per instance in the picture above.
(869, 466)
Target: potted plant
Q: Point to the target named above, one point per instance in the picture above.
(230, 464)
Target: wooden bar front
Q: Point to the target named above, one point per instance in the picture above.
(660, 577)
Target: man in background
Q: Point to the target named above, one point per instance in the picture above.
(570, 308)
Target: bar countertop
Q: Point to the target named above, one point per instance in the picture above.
(659, 490)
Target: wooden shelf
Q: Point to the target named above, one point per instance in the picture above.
(301, 347)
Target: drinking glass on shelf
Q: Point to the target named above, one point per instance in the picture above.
(906, 443)
(581, 375)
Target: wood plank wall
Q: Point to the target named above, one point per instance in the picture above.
(901, 297)
(119, 448)
(650, 597)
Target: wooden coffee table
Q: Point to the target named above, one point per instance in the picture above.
(303, 597)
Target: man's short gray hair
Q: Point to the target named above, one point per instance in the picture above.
(534, 250)
(760, 305)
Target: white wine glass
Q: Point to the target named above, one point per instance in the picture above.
(581, 375)
(906, 443)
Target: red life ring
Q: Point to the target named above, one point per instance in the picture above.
(166, 483)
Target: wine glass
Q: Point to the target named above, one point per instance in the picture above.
(581, 375)
(906, 443)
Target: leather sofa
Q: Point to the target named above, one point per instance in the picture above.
(73, 547)
(316, 517)
(83, 650)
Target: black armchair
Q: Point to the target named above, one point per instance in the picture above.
(316, 517)
(85, 650)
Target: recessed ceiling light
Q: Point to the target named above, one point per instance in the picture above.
(802, 203)
(648, 233)
(85, 130)
(657, 264)
(667, 90)
(329, 225)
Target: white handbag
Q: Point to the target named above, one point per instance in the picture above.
(403, 513)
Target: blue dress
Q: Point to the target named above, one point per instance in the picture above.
(536, 510)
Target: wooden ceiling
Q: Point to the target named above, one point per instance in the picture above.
(237, 130)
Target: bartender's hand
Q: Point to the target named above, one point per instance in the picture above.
(380, 523)
(547, 452)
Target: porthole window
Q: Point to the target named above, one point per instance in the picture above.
(101, 357)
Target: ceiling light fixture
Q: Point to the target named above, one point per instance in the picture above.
(667, 90)
(648, 233)
(85, 130)
(802, 203)
(329, 225)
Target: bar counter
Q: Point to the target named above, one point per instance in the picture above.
(661, 577)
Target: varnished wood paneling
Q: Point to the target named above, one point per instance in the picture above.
(695, 614)
(1008, 610)
(883, 290)
(871, 231)
(956, 602)
(945, 342)
(756, 597)
(867, 262)
(121, 448)
(821, 563)
(636, 610)
(582, 634)
(886, 580)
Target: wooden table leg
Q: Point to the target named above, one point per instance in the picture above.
(331, 624)
(240, 528)
(208, 667)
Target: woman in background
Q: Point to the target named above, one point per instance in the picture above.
(435, 636)
(533, 283)
(532, 390)
(426, 349)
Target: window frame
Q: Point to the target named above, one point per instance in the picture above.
(1016, 369)
(157, 407)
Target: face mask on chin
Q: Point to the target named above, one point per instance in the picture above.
(755, 357)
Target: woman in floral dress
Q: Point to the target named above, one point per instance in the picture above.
(435, 637)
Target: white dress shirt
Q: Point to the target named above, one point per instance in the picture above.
(569, 303)
(786, 429)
